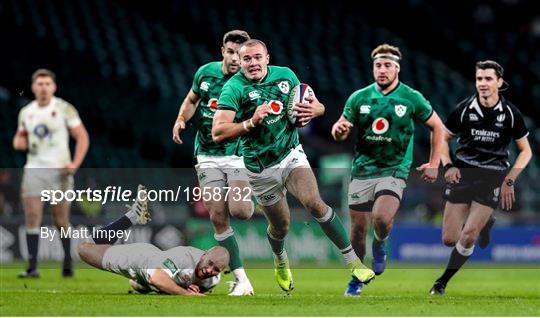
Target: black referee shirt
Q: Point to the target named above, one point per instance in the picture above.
(485, 132)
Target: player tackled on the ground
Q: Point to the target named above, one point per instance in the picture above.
(385, 114)
(251, 105)
(181, 270)
(486, 124)
(219, 165)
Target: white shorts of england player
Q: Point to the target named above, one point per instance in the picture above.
(131, 260)
(220, 169)
(364, 191)
(36, 180)
(269, 185)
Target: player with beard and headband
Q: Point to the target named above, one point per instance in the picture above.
(385, 114)
(219, 165)
(485, 124)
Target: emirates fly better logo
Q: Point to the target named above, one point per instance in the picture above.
(380, 126)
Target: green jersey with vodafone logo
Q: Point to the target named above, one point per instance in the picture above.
(273, 139)
(386, 129)
(207, 84)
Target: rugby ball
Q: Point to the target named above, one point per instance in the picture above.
(298, 95)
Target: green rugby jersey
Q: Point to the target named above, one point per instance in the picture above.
(207, 84)
(271, 141)
(386, 129)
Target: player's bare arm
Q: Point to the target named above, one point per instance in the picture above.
(341, 129)
(82, 142)
(187, 110)
(224, 127)
(310, 110)
(430, 169)
(20, 140)
(451, 174)
(507, 189)
(162, 281)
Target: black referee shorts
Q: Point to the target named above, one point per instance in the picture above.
(479, 185)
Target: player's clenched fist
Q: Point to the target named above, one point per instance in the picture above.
(341, 129)
(261, 113)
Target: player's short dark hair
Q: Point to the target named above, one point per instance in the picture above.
(386, 49)
(488, 64)
(253, 42)
(43, 72)
(235, 36)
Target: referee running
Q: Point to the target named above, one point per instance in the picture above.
(479, 176)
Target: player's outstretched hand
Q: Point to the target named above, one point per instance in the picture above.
(261, 113)
(179, 125)
(307, 111)
(452, 175)
(429, 173)
(507, 195)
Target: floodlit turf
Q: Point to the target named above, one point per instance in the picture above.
(481, 291)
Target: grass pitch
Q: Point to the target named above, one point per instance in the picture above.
(475, 291)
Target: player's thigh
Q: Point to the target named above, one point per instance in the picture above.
(387, 193)
(267, 186)
(479, 214)
(278, 215)
(216, 205)
(93, 254)
(302, 184)
(33, 211)
(239, 198)
(385, 208)
(360, 196)
(454, 217)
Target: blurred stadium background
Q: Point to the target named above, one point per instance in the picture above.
(126, 66)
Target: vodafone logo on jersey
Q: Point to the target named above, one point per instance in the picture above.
(380, 125)
(213, 104)
(275, 107)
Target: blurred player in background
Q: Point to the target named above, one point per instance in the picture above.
(251, 105)
(43, 131)
(486, 124)
(181, 270)
(385, 114)
(219, 165)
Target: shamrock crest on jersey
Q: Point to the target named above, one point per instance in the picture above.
(386, 128)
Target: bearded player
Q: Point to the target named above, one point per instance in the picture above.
(219, 165)
(385, 114)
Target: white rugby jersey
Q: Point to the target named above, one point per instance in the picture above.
(48, 132)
